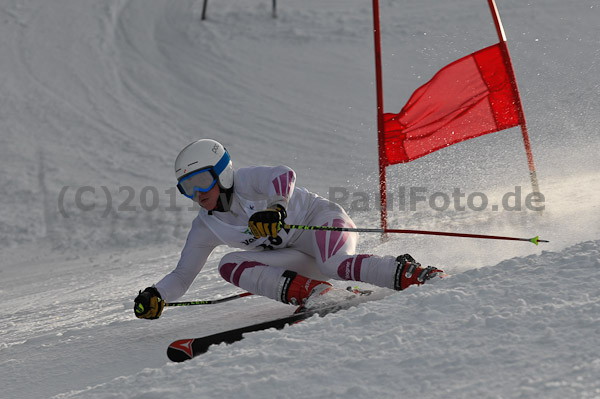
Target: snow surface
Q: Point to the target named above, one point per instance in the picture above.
(102, 94)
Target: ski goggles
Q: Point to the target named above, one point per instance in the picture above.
(202, 180)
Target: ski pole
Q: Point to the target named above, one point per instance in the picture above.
(209, 302)
(534, 240)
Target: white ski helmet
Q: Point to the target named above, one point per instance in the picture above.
(205, 154)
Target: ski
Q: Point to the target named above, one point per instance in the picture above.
(185, 349)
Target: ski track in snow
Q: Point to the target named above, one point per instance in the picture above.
(102, 94)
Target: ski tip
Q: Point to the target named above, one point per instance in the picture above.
(181, 350)
(359, 291)
(442, 275)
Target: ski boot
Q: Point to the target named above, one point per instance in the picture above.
(409, 272)
(296, 289)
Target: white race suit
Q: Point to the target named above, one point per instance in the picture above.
(259, 266)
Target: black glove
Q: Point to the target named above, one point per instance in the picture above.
(268, 222)
(148, 304)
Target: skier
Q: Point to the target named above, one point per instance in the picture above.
(245, 209)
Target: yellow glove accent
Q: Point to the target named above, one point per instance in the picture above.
(148, 306)
(266, 223)
(155, 309)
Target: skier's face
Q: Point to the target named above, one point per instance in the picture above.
(209, 199)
